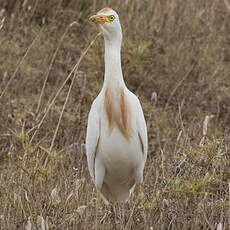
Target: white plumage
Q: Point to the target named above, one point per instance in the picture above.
(116, 140)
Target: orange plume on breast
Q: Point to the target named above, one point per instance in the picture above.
(108, 109)
(121, 116)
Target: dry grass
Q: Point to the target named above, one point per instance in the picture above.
(178, 50)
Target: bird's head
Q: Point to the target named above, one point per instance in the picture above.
(108, 21)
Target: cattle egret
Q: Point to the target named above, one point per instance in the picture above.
(116, 140)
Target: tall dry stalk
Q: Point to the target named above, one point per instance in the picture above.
(74, 70)
(51, 64)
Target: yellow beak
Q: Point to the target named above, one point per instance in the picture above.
(99, 19)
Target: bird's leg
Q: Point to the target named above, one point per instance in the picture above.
(130, 208)
(97, 209)
(108, 212)
(106, 215)
(119, 214)
(123, 213)
(114, 210)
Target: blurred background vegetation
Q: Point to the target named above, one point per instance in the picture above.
(175, 57)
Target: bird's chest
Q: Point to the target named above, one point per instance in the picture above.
(117, 152)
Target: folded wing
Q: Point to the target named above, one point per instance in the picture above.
(92, 139)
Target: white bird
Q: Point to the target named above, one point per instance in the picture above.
(116, 140)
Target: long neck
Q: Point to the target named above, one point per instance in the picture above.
(113, 71)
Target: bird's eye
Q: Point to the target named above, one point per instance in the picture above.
(111, 18)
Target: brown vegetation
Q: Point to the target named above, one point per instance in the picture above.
(178, 50)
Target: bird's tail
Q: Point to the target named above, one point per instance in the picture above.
(117, 192)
